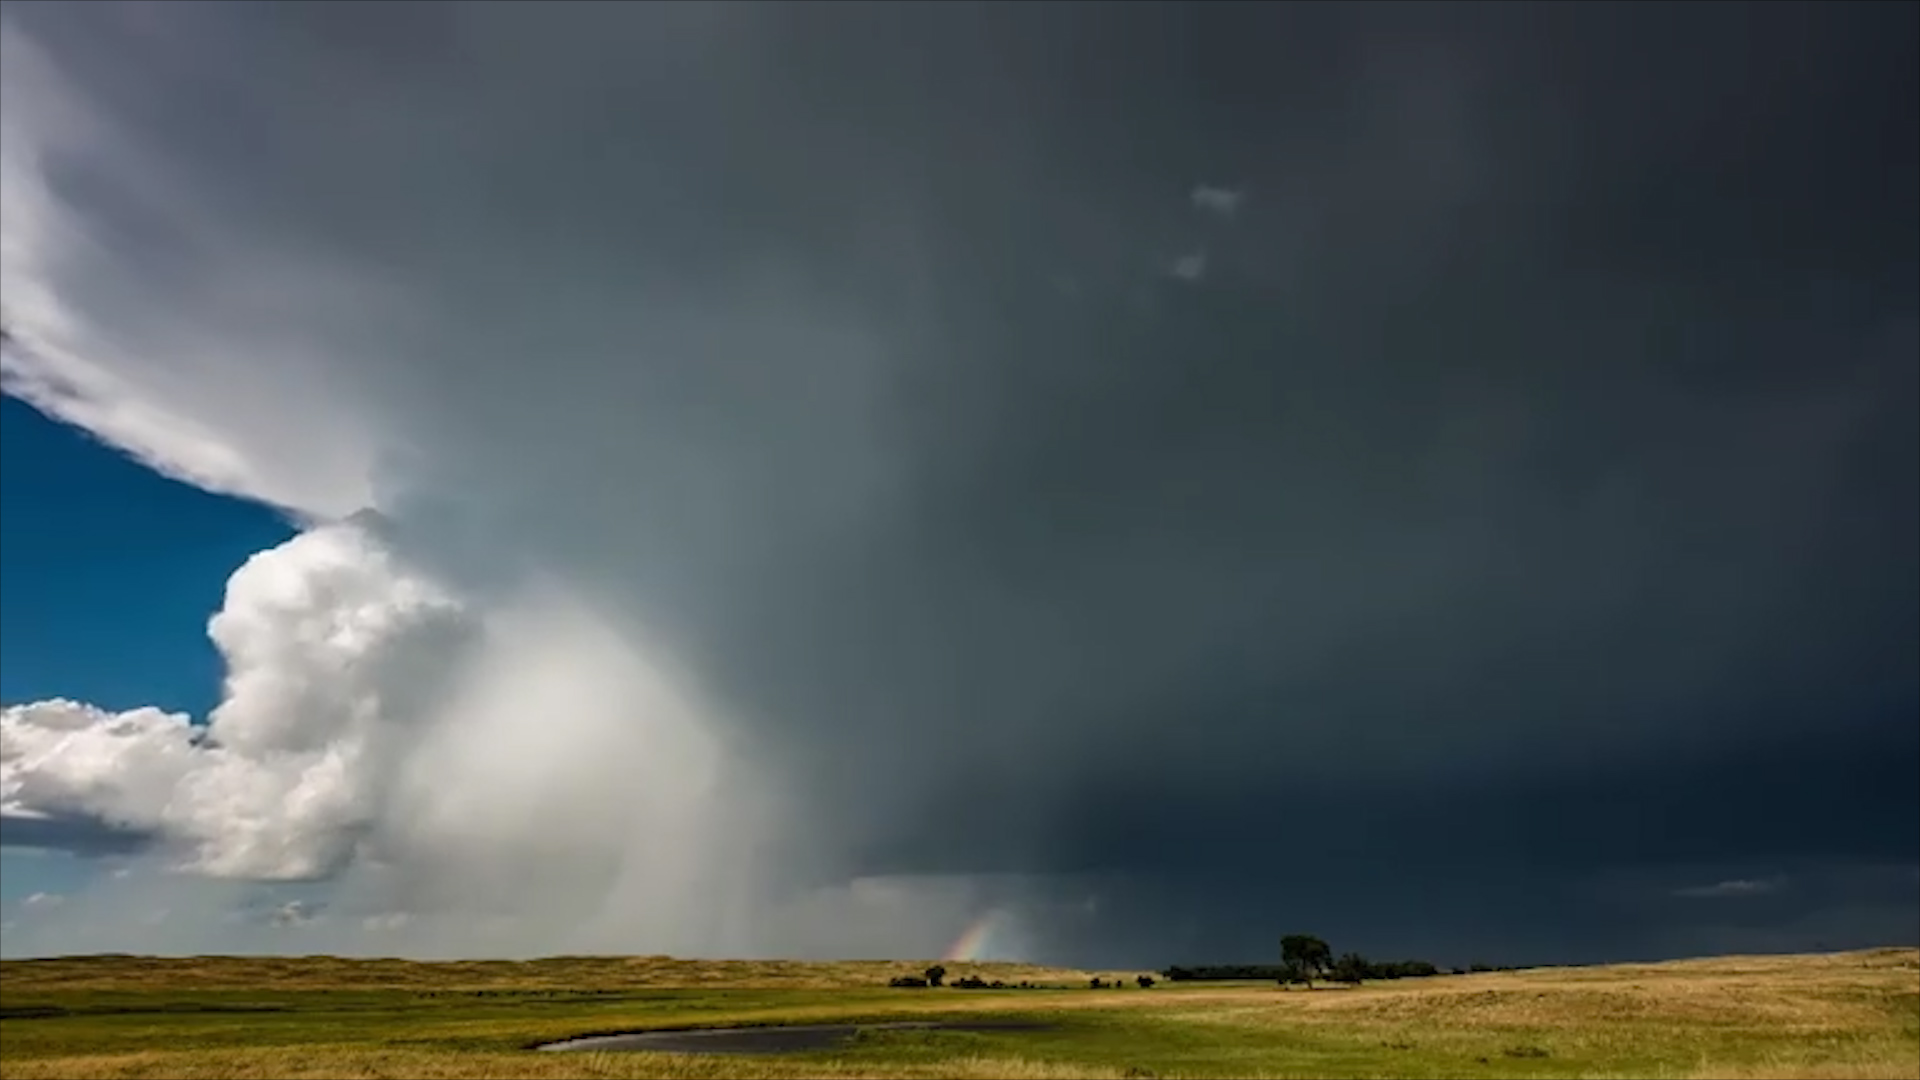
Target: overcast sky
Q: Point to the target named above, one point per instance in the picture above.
(1441, 476)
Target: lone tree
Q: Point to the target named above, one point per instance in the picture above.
(1305, 957)
(935, 974)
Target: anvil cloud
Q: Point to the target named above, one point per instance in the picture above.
(811, 481)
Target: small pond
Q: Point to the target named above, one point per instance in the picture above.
(785, 1039)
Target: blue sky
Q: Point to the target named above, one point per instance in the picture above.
(108, 573)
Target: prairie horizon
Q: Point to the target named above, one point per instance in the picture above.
(1852, 1014)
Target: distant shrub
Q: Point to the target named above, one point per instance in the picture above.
(908, 982)
(1145, 981)
(998, 985)
(1096, 983)
(936, 973)
(970, 982)
(1351, 968)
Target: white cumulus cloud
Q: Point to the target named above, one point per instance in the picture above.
(518, 779)
(329, 645)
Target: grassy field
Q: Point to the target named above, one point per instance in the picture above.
(1843, 1015)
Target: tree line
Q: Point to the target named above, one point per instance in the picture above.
(1305, 958)
(1348, 965)
(936, 976)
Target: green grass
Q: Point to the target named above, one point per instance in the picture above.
(1854, 1014)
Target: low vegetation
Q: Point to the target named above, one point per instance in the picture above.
(1304, 958)
(1842, 1015)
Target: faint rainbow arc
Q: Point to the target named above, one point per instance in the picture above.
(974, 942)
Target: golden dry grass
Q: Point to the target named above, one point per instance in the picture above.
(1743, 1018)
(354, 1063)
(1819, 1070)
(120, 973)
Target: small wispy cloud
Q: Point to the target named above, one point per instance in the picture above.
(392, 920)
(1733, 887)
(1218, 200)
(294, 913)
(1190, 267)
(43, 900)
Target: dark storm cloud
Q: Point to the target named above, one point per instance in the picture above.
(1525, 491)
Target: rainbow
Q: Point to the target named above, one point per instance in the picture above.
(981, 940)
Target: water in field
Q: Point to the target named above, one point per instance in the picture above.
(782, 1039)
